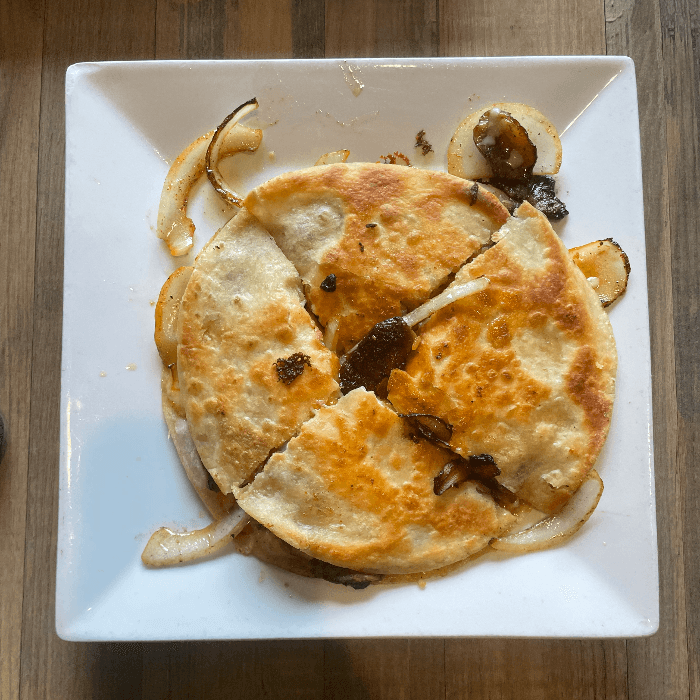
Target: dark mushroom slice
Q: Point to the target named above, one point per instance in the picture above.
(479, 468)
(538, 190)
(543, 197)
(370, 362)
(389, 342)
(505, 145)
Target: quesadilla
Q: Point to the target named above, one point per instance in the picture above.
(520, 374)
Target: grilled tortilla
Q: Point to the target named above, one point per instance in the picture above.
(354, 488)
(524, 370)
(389, 236)
(241, 314)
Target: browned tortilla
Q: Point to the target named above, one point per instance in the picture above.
(243, 310)
(356, 490)
(390, 234)
(523, 371)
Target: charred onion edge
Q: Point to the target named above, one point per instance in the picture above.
(217, 181)
(167, 547)
(556, 528)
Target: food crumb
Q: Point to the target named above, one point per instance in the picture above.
(328, 284)
(422, 143)
(271, 155)
(103, 374)
(422, 584)
(131, 367)
(152, 303)
(289, 368)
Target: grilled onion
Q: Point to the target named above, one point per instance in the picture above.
(333, 157)
(174, 226)
(556, 528)
(216, 149)
(464, 159)
(167, 547)
(451, 294)
(167, 309)
(606, 266)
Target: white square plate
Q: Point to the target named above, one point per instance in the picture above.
(120, 476)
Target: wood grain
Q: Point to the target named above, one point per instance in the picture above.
(659, 665)
(521, 28)
(21, 26)
(38, 40)
(308, 29)
(680, 29)
(376, 28)
(73, 31)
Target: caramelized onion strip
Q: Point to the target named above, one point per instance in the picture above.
(215, 152)
(174, 226)
(167, 310)
(168, 547)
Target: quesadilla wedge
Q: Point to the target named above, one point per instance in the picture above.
(242, 317)
(355, 488)
(523, 371)
(371, 240)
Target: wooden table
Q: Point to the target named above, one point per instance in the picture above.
(38, 40)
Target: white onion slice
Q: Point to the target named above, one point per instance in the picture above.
(174, 226)
(333, 157)
(214, 152)
(167, 310)
(167, 547)
(606, 266)
(556, 528)
(451, 294)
